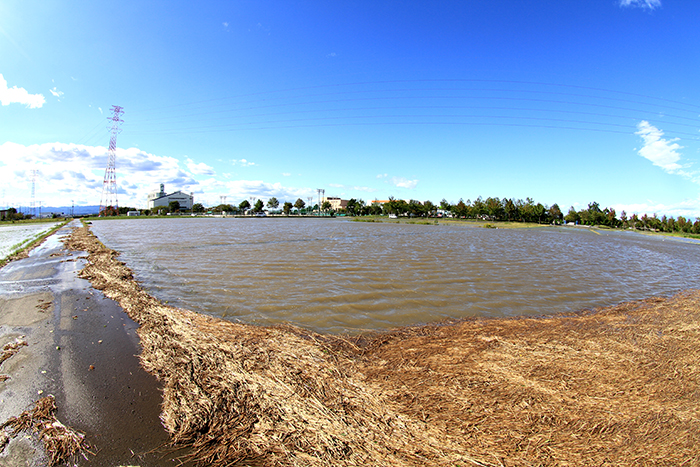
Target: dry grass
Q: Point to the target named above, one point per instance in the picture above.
(618, 386)
(61, 442)
(11, 348)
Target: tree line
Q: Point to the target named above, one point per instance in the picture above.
(489, 209)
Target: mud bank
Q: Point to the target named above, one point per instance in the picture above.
(614, 386)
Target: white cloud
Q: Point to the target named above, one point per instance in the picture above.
(689, 208)
(56, 92)
(242, 162)
(364, 189)
(644, 4)
(382, 176)
(71, 172)
(404, 183)
(335, 185)
(661, 152)
(75, 172)
(199, 168)
(286, 174)
(244, 189)
(15, 95)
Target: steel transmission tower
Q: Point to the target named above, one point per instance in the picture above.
(109, 188)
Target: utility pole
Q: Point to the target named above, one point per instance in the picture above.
(109, 187)
(32, 206)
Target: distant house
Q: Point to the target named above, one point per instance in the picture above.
(160, 198)
(133, 213)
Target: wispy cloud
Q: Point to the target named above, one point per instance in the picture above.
(199, 168)
(242, 162)
(15, 95)
(661, 152)
(404, 183)
(643, 4)
(56, 92)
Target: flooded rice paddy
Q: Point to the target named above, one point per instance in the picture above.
(15, 236)
(340, 276)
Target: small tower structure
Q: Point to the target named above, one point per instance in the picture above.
(109, 187)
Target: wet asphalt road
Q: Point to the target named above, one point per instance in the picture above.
(82, 348)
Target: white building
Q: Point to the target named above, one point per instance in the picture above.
(159, 198)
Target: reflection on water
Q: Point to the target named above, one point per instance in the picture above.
(340, 276)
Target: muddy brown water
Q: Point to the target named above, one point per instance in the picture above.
(338, 276)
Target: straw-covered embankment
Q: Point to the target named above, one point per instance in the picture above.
(616, 386)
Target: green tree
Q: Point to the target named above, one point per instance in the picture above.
(610, 217)
(287, 208)
(555, 213)
(197, 207)
(696, 227)
(429, 208)
(273, 203)
(539, 212)
(351, 207)
(478, 207)
(494, 208)
(361, 207)
(510, 210)
(572, 216)
(244, 206)
(460, 209)
(299, 204)
(225, 208)
(258, 206)
(415, 208)
(326, 206)
(623, 219)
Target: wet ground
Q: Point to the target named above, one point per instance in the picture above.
(82, 348)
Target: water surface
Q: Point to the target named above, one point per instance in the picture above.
(341, 276)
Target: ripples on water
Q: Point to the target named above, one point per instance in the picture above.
(341, 276)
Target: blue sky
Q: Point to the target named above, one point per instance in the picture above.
(563, 101)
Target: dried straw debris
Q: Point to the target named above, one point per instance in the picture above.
(616, 386)
(62, 443)
(11, 348)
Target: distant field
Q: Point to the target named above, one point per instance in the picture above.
(14, 237)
